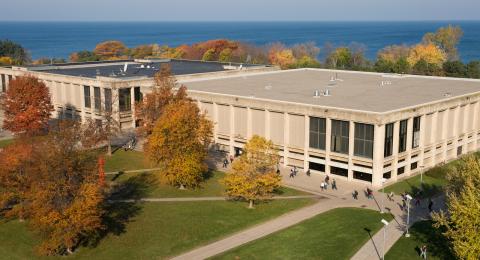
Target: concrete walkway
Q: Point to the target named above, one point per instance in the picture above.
(177, 199)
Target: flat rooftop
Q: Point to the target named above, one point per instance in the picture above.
(135, 68)
(368, 92)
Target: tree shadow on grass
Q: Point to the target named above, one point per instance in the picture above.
(437, 244)
(426, 190)
(134, 188)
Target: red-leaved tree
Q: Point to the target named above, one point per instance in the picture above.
(27, 106)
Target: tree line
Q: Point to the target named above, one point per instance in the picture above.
(435, 55)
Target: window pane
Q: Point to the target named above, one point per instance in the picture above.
(86, 93)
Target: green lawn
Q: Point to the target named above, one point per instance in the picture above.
(336, 234)
(126, 160)
(422, 233)
(140, 185)
(156, 230)
(433, 181)
(5, 142)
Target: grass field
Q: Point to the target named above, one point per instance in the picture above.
(422, 233)
(433, 181)
(155, 230)
(126, 160)
(336, 234)
(140, 185)
(5, 142)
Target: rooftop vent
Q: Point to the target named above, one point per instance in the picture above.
(125, 67)
(386, 82)
(448, 94)
(316, 94)
(335, 78)
(326, 93)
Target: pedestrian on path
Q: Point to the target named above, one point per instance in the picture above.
(430, 205)
(292, 173)
(369, 193)
(225, 163)
(417, 201)
(355, 194)
(308, 172)
(334, 184)
(390, 196)
(231, 159)
(322, 186)
(327, 179)
(423, 252)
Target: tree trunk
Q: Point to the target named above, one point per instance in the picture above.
(182, 187)
(109, 148)
(250, 206)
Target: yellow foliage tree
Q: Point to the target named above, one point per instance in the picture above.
(283, 58)
(462, 223)
(6, 61)
(179, 143)
(427, 52)
(253, 176)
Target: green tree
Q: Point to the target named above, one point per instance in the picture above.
(225, 55)
(383, 65)
(462, 219)
(473, 69)
(454, 69)
(84, 56)
(422, 67)
(253, 176)
(307, 62)
(209, 55)
(15, 51)
(340, 58)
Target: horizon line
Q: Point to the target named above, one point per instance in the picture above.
(240, 21)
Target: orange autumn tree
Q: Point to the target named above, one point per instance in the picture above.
(27, 106)
(253, 176)
(279, 55)
(179, 143)
(162, 93)
(52, 182)
(110, 50)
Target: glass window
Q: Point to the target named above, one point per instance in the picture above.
(388, 150)
(401, 170)
(317, 133)
(362, 176)
(363, 145)
(108, 99)
(338, 171)
(96, 98)
(124, 99)
(339, 140)
(416, 132)
(86, 94)
(402, 137)
(413, 166)
(138, 94)
(4, 84)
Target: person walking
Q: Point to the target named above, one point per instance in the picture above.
(225, 163)
(423, 252)
(355, 194)
(430, 205)
(231, 158)
(292, 173)
(417, 201)
(327, 179)
(334, 184)
(322, 186)
(308, 172)
(369, 194)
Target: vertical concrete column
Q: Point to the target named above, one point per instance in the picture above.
(446, 117)
(215, 122)
(455, 112)
(132, 104)
(409, 146)
(7, 81)
(328, 140)
(267, 124)
(422, 140)
(82, 103)
(286, 138)
(396, 132)
(249, 123)
(307, 143)
(232, 130)
(378, 145)
(474, 111)
(351, 142)
(433, 136)
(1, 82)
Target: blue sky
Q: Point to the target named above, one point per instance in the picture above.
(238, 10)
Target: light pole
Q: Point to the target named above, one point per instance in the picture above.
(409, 198)
(385, 224)
(383, 196)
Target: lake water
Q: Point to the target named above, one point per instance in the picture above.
(59, 39)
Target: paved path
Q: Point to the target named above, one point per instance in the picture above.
(208, 199)
(133, 171)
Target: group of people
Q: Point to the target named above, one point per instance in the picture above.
(226, 161)
(324, 185)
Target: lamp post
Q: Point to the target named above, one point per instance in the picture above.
(383, 196)
(385, 224)
(409, 198)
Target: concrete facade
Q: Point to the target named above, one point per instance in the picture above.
(449, 127)
(435, 120)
